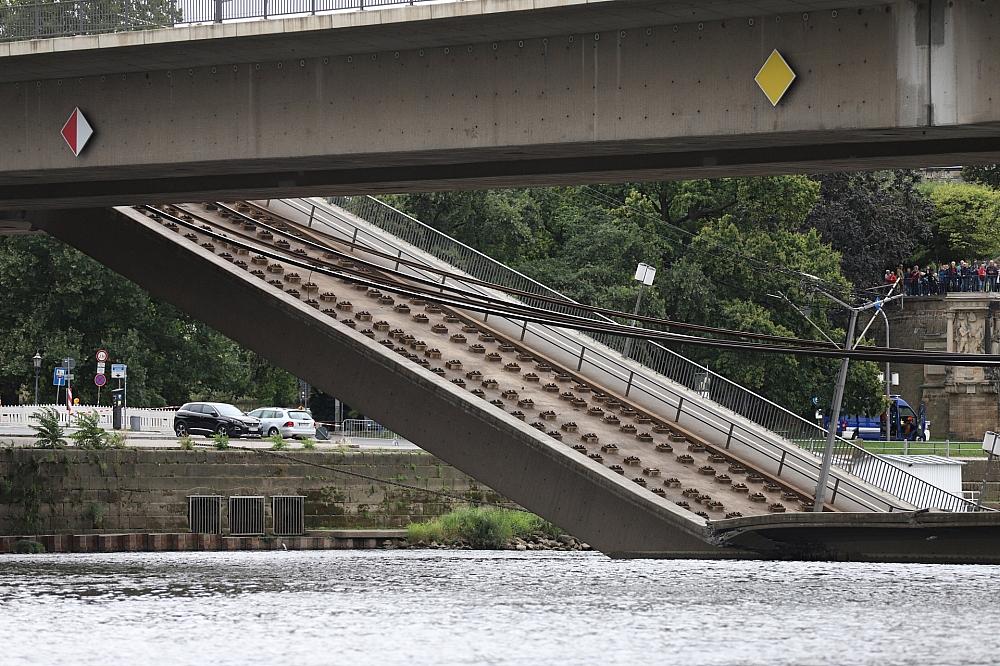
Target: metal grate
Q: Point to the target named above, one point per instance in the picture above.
(288, 515)
(246, 515)
(205, 514)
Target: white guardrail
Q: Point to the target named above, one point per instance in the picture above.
(151, 420)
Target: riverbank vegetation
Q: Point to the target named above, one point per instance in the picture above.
(483, 528)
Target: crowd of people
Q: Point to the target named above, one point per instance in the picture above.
(954, 277)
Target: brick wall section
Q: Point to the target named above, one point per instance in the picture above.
(70, 491)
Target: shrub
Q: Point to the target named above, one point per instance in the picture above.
(28, 547)
(309, 443)
(277, 442)
(186, 443)
(49, 433)
(90, 434)
(116, 440)
(426, 532)
(95, 512)
(221, 441)
(481, 527)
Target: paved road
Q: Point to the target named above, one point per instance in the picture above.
(159, 440)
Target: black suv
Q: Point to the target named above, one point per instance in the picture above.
(214, 417)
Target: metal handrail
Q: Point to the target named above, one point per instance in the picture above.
(63, 18)
(705, 383)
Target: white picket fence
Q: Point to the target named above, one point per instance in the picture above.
(150, 420)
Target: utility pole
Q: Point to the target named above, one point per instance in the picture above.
(831, 426)
(838, 389)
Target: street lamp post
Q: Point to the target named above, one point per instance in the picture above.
(888, 377)
(36, 361)
(644, 275)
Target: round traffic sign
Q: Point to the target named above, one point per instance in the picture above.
(100, 380)
(102, 355)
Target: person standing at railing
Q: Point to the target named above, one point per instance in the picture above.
(991, 276)
(913, 282)
(930, 281)
(968, 276)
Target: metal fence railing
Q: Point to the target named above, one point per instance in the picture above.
(62, 18)
(746, 408)
(150, 419)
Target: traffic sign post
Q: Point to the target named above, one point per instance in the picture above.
(102, 356)
(100, 380)
(58, 380)
(69, 363)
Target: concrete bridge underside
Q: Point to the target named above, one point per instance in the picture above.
(485, 93)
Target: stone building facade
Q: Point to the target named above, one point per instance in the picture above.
(962, 402)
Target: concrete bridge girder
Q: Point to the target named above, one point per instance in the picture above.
(895, 84)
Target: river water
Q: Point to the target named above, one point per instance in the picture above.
(463, 607)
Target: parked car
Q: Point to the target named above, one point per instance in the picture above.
(215, 417)
(285, 422)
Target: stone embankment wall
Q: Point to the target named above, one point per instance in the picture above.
(71, 491)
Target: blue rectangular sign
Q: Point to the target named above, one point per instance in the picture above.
(59, 377)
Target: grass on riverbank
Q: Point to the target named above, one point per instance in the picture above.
(481, 527)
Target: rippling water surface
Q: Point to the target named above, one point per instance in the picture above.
(443, 607)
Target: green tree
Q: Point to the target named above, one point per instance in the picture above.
(61, 302)
(966, 221)
(875, 220)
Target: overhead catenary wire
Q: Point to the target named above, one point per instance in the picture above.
(607, 312)
(476, 303)
(470, 279)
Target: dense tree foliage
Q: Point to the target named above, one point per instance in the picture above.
(988, 174)
(26, 19)
(725, 250)
(729, 252)
(875, 220)
(62, 303)
(965, 221)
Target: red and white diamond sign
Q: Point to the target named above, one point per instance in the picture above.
(77, 131)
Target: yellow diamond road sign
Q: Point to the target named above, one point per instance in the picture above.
(775, 77)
